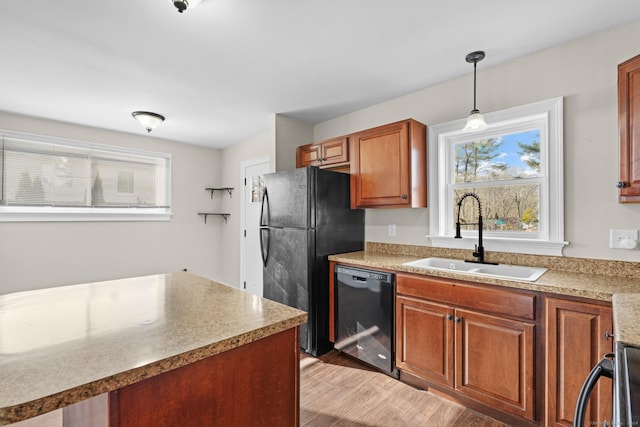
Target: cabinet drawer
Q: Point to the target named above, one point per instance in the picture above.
(489, 299)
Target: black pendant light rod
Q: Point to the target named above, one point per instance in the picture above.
(475, 57)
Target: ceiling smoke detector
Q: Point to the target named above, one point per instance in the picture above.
(183, 5)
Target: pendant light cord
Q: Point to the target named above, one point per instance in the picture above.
(475, 63)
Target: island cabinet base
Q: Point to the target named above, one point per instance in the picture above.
(257, 384)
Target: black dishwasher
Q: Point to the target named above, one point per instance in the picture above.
(365, 316)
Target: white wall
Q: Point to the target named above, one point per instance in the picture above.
(44, 254)
(261, 146)
(584, 72)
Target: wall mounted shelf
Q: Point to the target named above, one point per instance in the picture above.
(206, 214)
(227, 189)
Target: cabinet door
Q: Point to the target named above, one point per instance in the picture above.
(308, 155)
(424, 339)
(576, 341)
(388, 166)
(334, 152)
(629, 129)
(495, 361)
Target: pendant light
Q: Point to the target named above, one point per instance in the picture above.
(475, 122)
(147, 119)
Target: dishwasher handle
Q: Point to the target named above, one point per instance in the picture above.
(362, 275)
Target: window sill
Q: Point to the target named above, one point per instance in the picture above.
(69, 215)
(520, 246)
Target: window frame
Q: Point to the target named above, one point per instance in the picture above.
(546, 115)
(18, 213)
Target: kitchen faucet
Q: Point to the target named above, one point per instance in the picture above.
(479, 252)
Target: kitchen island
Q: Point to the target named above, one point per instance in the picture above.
(169, 349)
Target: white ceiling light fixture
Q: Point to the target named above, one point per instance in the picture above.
(147, 119)
(183, 5)
(475, 121)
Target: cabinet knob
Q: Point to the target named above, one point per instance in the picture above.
(449, 317)
(621, 184)
(608, 335)
(404, 197)
(458, 319)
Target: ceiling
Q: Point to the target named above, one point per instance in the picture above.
(220, 70)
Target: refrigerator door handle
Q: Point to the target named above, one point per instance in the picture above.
(265, 203)
(264, 248)
(604, 368)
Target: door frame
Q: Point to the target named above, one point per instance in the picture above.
(243, 207)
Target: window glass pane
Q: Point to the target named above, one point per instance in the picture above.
(43, 174)
(510, 156)
(126, 182)
(505, 208)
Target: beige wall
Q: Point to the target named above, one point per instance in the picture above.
(584, 72)
(290, 133)
(259, 147)
(44, 254)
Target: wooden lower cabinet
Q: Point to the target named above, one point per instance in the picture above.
(425, 341)
(486, 357)
(495, 361)
(576, 339)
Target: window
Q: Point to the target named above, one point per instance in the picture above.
(51, 179)
(514, 167)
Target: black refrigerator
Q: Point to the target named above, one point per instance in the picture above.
(305, 217)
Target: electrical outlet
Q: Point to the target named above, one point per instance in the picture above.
(392, 230)
(623, 239)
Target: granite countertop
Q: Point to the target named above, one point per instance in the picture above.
(612, 281)
(62, 345)
(569, 283)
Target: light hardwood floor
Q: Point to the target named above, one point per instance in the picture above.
(337, 390)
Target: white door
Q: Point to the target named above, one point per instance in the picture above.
(251, 261)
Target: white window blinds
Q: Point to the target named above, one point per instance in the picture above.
(40, 175)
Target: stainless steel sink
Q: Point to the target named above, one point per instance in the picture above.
(503, 271)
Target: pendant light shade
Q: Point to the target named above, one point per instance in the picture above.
(147, 119)
(475, 122)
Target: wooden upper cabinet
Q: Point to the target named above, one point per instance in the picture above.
(388, 166)
(326, 154)
(576, 340)
(629, 130)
